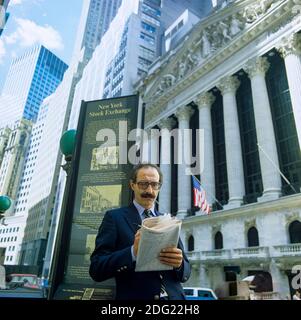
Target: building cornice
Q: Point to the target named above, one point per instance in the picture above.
(171, 76)
(285, 203)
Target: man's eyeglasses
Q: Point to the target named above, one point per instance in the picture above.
(145, 184)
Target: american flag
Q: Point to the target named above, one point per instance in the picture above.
(199, 196)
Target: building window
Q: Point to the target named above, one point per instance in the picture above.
(148, 27)
(175, 29)
(141, 73)
(144, 62)
(150, 10)
(218, 241)
(253, 239)
(191, 243)
(150, 19)
(147, 38)
(146, 53)
(295, 232)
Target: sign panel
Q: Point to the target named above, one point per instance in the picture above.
(99, 183)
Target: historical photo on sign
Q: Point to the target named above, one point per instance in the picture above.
(105, 158)
(90, 245)
(100, 198)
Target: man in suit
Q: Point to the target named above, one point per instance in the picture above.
(117, 245)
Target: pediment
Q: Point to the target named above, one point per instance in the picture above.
(201, 46)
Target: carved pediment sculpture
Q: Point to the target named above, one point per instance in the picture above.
(166, 82)
(209, 39)
(254, 11)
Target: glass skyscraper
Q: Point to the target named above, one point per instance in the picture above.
(31, 78)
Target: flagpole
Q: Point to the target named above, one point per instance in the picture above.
(277, 168)
(212, 196)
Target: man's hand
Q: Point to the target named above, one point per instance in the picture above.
(136, 242)
(171, 256)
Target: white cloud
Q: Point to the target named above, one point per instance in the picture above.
(2, 50)
(15, 2)
(29, 33)
(18, 2)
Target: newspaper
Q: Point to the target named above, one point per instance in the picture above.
(157, 233)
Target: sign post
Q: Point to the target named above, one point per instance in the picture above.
(98, 182)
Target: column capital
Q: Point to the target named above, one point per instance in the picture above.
(148, 130)
(228, 84)
(184, 113)
(257, 66)
(152, 131)
(291, 45)
(168, 123)
(204, 100)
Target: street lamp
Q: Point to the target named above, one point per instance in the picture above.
(5, 203)
(67, 147)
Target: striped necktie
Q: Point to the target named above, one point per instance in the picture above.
(147, 213)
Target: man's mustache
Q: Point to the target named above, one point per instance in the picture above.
(148, 195)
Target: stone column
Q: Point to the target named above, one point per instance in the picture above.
(204, 102)
(256, 69)
(145, 145)
(204, 278)
(153, 145)
(228, 87)
(290, 50)
(279, 279)
(166, 126)
(184, 157)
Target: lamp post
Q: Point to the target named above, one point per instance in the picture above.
(5, 203)
(67, 147)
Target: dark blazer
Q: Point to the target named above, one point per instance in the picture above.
(112, 258)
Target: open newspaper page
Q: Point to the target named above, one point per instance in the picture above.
(157, 233)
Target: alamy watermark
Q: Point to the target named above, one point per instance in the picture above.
(177, 143)
(296, 280)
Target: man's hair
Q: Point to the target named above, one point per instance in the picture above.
(134, 173)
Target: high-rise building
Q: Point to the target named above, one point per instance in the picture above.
(14, 157)
(14, 143)
(95, 19)
(130, 46)
(3, 14)
(31, 78)
(43, 200)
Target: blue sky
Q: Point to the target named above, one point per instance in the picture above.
(50, 22)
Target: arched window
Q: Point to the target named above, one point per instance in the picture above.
(218, 241)
(295, 231)
(253, 239)
(190, 243)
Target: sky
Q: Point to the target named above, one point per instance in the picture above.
(52, 23)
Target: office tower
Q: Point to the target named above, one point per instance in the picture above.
(14, 157)
(95, 19)
(31, 78)
(3, 14)
(44, 197)
(129, 47)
